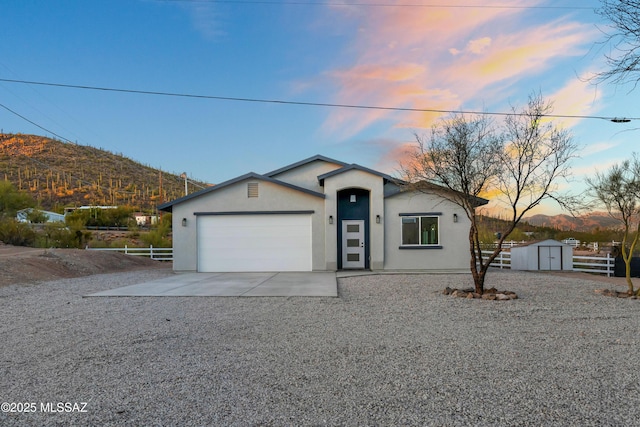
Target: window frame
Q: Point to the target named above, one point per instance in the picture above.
(418, 216)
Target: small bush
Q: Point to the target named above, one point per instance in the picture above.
(57, 235)
(16, 233)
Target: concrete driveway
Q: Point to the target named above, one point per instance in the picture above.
(302, 284)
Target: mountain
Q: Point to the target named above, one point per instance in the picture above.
(59, 174)
(587, 222)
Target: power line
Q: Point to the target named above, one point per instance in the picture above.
(34, 160)
(364, 4)
(313, 104)
(34, 123)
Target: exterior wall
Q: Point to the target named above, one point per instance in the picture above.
(384, 238)
(454, 236)
(272, 197)
(354, 179)
(520, 258)
(306, 176)
(526, 257)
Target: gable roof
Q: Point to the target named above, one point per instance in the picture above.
(167, 207)
(354, 166)
(425, 186)
(304, 162)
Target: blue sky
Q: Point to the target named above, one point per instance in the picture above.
(458, 57)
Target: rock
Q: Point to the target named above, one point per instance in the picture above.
(447, 291)
(623, 295)
(470, 295)
(491, 291)
(502, 297)
(490, 297)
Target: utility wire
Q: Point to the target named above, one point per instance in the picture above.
(35, 124)
(69, 141)
(364, 4)
(314, 104)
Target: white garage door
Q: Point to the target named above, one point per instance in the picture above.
(275, 242)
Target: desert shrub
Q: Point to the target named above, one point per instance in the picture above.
(12, 200)
(16, 233)
(158, 238)
(36, 216)
(57, 235)
(159, 235)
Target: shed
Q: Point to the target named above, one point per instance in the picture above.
(543, 255)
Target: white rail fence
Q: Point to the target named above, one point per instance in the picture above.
(571, 242)
(159, 254)
(587, 264)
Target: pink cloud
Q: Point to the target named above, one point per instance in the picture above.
(440, 58)
(578, 98)
(479, 46)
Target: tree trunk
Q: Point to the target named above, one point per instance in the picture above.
(478, 282)
(476, 257)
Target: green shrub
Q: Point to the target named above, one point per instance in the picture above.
(16, 233)
(57, 235)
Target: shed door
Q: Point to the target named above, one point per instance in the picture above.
(550, 257)
(277, 242)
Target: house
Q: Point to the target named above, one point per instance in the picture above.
(143, 219)
(318, 214)
(23, 215)
(543, 255)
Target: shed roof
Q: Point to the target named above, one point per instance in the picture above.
(546, 242)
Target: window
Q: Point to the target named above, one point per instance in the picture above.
(420, 230)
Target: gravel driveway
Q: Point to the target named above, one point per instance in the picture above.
(391, 350)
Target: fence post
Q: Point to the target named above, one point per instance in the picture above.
(609, 264)
(125, 250)
(151, 251)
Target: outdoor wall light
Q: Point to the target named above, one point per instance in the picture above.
(330, 219)
(352, 198)
(377, 219)
(184, 222)
(455, 217)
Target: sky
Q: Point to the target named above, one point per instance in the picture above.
(467, 55)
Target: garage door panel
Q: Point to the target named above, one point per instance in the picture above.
(254, 243)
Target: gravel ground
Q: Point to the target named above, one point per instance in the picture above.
(391, 350)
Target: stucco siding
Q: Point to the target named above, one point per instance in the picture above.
(306, 176)
(452, 251)
(272, 197)
(362, 180)
(336, 196)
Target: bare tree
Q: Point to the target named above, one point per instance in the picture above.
(624, 40)
(619, 191)
(519, 162)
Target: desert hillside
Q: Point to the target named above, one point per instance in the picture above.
(60, 174)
